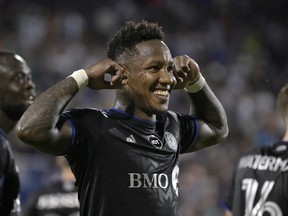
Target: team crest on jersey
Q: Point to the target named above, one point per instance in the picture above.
(155, 141)
(171, 141)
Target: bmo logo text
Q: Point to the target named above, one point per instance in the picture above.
(156, 180)
(142, 180)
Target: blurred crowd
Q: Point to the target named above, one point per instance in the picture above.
(241, 48)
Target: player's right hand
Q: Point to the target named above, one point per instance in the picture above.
(105, 74)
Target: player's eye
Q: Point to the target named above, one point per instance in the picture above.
(21, 78)
(153, 68)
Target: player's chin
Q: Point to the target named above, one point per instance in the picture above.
(21, 108)
(158, 106)
(160, 109)
(15, 112)
(27, 103)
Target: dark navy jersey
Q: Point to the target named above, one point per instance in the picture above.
(55, 199)
(125, 166)
(9, 180)
(260, 183)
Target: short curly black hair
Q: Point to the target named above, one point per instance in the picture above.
(131, 34)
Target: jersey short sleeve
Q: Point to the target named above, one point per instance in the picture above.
(80, 149)
(188, 131)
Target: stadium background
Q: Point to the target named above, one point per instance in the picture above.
(241, 47)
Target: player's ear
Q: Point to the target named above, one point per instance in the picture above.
(125, 75)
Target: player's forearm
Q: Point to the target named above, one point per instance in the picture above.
(37, 125)
(207, 107)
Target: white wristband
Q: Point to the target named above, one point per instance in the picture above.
(81, 78)
(197, 86)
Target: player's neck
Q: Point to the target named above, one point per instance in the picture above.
(6, 123)
(135, 112)
(285, 137)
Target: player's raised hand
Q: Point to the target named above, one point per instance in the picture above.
(105, 74)
(186, 71)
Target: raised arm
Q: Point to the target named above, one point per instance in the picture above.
(37, 126)
(205, 106)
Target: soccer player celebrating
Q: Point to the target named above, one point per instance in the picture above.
(125, 159)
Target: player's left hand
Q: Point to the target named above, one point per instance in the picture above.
(186, 71)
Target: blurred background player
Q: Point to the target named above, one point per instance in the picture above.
(58, 198)
(260, 181)
(17, 92)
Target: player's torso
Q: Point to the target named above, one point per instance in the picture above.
(135, 163)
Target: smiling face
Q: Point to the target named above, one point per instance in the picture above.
(150, 79)
(17, 91)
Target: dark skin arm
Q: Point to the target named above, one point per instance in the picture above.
(205, 106)
(37, 126)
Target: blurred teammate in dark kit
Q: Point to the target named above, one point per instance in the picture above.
(125, 159)
(58, 198)
(17, 92)
(260, 181)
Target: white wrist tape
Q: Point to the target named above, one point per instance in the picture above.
(197, 86)
(81, 78)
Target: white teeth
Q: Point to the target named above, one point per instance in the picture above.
(161, 92)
